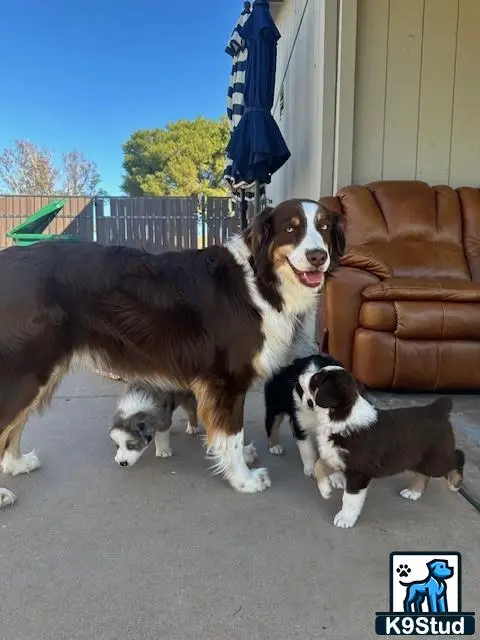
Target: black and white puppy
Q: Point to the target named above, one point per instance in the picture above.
(280, 402)
(364, 442)
(144, 413)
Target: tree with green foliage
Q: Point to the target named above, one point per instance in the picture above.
(184, 159)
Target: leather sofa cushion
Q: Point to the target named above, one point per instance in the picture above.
(470, 201)
(416, 259)
(411, 229)
(411, 320)
(448, 290)
(382, 361)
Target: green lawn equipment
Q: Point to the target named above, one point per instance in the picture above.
(30, 231)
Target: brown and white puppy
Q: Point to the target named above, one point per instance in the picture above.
(210, 321)
(362, 442)
(144, 414)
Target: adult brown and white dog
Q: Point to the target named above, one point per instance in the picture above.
(210, 321)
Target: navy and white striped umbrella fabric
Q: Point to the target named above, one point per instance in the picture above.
(237, 49)
(256, 148)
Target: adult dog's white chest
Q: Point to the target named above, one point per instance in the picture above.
(277, 327)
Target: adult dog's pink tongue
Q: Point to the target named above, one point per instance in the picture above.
(312, 278)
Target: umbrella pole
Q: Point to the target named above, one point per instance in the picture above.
(257, 197)
(243, 210)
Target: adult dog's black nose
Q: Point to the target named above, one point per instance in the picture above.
(316, 257)
(124, 463)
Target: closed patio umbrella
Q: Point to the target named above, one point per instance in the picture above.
(256, 147)
(237, 49)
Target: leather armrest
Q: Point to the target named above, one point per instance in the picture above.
(361, 257)
(342, 300)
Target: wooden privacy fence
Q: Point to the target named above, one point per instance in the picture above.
(76, 218)
(155, 224)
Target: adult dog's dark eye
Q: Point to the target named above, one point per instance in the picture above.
(141, 425)
(130, 446)
(323, 227)
(289, 229)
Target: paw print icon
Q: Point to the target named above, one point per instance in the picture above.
(403, 570)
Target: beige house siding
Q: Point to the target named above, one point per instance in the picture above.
(377, 89)
(417, 97)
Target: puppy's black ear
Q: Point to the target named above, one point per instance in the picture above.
(299, 390)
(143, 427)
(322, 387)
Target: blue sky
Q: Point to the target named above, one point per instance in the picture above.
(85, 74)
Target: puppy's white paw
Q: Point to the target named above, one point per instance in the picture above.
(164, 453)
(308, 470)
(344, 520)
(337, 480)
(325, 488)
(250, 453)
(276, 449)
(15, 466)
(410, 494)
(191, 429)
(7, 498)
(256, 482)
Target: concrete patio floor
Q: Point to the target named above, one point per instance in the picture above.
(166, 550)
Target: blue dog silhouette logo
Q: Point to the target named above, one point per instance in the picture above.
(432, 589)
(425, 596)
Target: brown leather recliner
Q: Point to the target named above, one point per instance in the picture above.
(403, 311)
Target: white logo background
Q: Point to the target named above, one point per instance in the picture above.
(418, 570)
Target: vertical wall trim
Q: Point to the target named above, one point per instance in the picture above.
(454, 94)
(386, 84)
(327, 57)
(345, 95)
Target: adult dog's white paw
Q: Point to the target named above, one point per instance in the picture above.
(15, 466)
(164, 453)
(250, 453)
(256, 481)
(308, 470)
(337, 480)
(276, 449)
(7, 498)
(191, 429)
(410, 494)
(344, 520)
(325, 488)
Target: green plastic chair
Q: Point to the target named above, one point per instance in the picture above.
(30, 230)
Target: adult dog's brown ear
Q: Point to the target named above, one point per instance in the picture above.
(338, 240)
(259, 231)
(258, 238)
